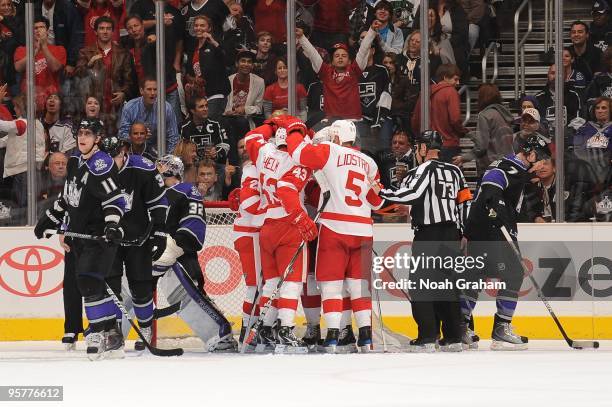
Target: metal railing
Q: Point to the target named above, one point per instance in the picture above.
(493, 47)
(519, 47)
(468, 103)
(549, 24)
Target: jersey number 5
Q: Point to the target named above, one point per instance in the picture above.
(351, 185)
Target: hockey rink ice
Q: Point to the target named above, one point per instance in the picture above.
(548, 374)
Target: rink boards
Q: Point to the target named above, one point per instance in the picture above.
(31, 282)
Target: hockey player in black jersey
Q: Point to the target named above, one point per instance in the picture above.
(208, 135)
(92, 203)
(186, 229)
(144, 189)
(497, 204)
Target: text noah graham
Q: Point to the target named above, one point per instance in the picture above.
(446, 284)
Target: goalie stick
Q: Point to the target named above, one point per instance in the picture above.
(154, 351)
(264, 310)
(572, 343)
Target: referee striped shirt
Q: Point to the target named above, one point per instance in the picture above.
(437, 192)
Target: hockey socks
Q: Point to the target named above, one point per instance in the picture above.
(100, 312)
(144, 312)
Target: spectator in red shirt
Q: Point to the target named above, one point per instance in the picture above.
(444, 111)
(271, 16)
(92, 9)
(276, 96)
(331, 21)
(49, 61)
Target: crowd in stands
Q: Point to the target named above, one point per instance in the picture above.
(226, 72)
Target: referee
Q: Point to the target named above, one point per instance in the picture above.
(440, 199)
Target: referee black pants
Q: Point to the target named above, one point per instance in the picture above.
(435, 298)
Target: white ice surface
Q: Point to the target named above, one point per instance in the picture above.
(549, 374)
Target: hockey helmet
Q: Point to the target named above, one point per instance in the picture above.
(170, 166)
(111, 145)
(280, 137)
(539, 144)
(431, 138)
(95, 125)
(345, 130)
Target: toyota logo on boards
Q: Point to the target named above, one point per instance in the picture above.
(22, 271)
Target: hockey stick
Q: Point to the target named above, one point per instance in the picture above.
(572, 343)
(154, 351)
(264, 310)
(380, 320)
(258, 292)
(393, 278)
(134, 242)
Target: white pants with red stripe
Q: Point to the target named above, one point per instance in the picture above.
(247, 246)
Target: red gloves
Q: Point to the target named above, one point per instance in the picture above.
(305, 225)
(234, 199)
(290, 123)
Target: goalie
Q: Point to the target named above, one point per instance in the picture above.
(186, 227)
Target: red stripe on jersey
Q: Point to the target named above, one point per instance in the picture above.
(245, 229)
(287, 303)
(346, 218)
(361, 304)
(333, 305)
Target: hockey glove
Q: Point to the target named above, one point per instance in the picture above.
(170, 254)
(113, 232)
(272, 124)
(234, 199)
(158, 243)
(291, 124)
(305, 225)
(49, 220)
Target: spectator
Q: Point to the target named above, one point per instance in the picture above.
(601, 25)
(439, 40)
(208, 135)
(215, 10)
(50, 60)
(539, 196)
(144, 109)
(530, 125)
(592, 140)
(187, 151)
(144, 54)
(340, 77)
(15, 142)
(375, 97)
(572, 106)
(247, 89)
(391, 37)
(400, 155)
(263, 65)
(409, 61)
(315, 104)
(587, 58)
(331, 21)
(241, 35)
(573, 78)
(445, 111)
(271, 16)
(403, 98)
(306, 75)
(52, 178)
(139, 144)
(11, 29)
(601, 85)
(108, 69)
(476, 11)
(91, 10)
(526, 102)
(58, 131)
(493, 138)
(208, 181)
(205, 74)
(276, 95)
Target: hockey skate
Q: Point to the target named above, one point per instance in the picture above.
(450, 346)
(69, 340)
(96, 345)
(347, 341)
(365, 339)
(114, 344)
(265, 340)
(227, 344)
(422, 346)
(470, 340)
(288, 343)
(331, 340)
(504, 338)
(147, 332)
(312, 338)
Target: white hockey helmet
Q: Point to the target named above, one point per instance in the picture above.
(280, 137)
(170, 166)
(322, 135)
(345, 130)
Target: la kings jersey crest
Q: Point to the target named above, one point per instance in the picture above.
(374, 91)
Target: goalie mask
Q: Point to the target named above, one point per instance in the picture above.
(170, 166)
(345, 130)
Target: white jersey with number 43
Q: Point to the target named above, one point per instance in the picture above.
(347, 171)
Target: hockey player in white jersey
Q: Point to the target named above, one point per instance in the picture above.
(344, 250)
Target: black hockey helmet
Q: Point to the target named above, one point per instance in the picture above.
(170, 166)
(539, 144)
(431, 138)
(95, 125)
(111, 145)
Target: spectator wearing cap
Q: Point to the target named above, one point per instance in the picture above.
(529, 101)
(530, 125)
(340, 78)
(592, 141)
(391, 37)
(331, 21)
(546, 100)
(493, 136)
(587, 58)
(601, 24)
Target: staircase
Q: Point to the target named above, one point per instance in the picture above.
(536, 68)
